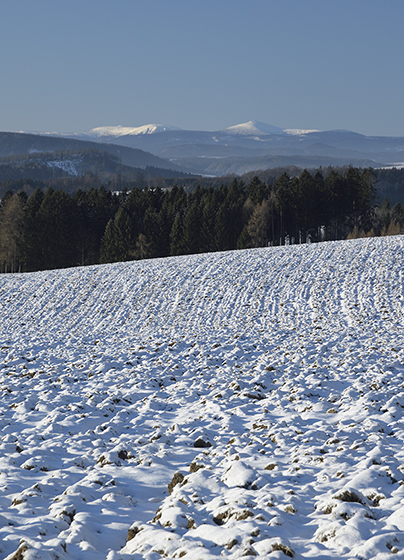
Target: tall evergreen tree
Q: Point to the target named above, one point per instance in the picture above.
(207, 222)
(191, 228)
(57, 228)
(12, 221)
(222, 234)
(177, 245)
(117, 243)
(108, 246)
(282, 189)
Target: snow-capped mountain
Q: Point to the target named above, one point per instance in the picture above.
(251, 146)
(248, 146)
(253, 128)
(117, 131)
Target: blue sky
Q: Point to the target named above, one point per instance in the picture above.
(71, 65)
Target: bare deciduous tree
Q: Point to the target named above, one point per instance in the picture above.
(258, 224)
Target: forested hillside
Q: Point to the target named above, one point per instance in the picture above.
(56, 229)
(74, 164)
(25, 146)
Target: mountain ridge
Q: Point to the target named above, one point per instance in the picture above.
(253, 142)
(249, 146)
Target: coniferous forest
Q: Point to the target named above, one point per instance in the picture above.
(54, 229)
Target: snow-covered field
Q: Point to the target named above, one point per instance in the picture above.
(217, 405)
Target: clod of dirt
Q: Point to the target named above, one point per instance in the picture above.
(177, 479)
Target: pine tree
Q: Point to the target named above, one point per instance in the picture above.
(12, 223)
(163, 236)
(282, 189)
(191, 229)
(32, 234)
(244, 241)
(256, 190)
(207, 223)
(385, 216)
(108, 249)
(222, 234)
(150, 231)
(57, 231)
(177, 245)
(117, 243)
(335, 188)
(397, 213)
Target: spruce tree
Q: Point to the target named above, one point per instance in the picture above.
(12, 223)
(191, 229)
(117, 243)
(177, 245)
(108, 249)
(57, 228)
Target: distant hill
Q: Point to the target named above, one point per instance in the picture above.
(215, 166)
(76, 163)
(44, 157)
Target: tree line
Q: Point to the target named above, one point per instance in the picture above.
(55, 229)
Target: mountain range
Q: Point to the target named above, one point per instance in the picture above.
(168, 151)
(251, 146)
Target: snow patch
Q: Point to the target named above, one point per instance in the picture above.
(66, 165)
(299, 131)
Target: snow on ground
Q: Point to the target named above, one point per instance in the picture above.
(299, 131)
(236, 404)
(66, 165)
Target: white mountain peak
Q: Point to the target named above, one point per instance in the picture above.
(119, 130)
(254, 128)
